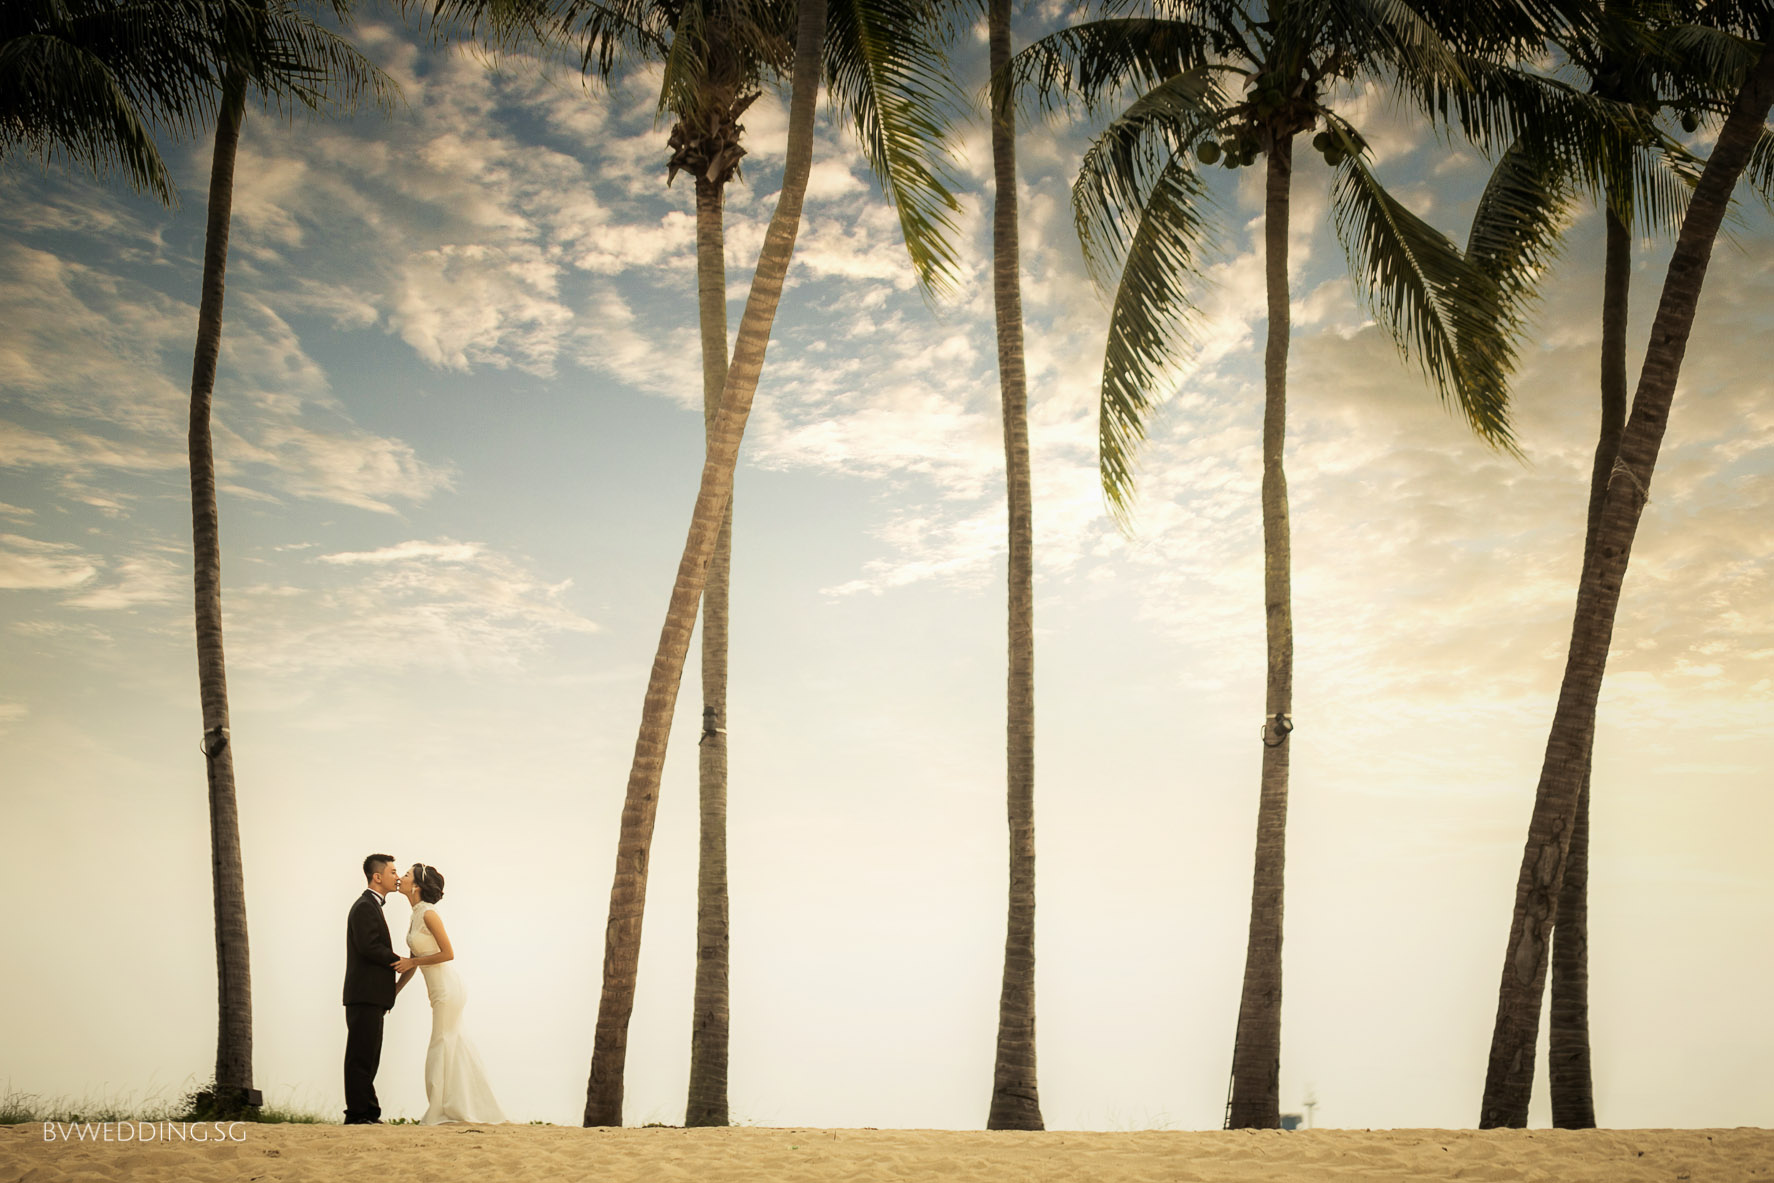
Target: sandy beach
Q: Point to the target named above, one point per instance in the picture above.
(290, 1153)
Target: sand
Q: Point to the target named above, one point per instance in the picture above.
(279, 1153)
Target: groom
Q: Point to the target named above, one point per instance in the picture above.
(369, 989)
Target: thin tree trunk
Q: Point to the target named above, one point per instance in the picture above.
(628, 891)
(1568, 1060)
(1256, 1056)
(1510, 1071)
(234, 988)
(1567, 1066)
(707, 1102)
(1016, 1104)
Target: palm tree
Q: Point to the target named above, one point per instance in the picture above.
(284, 55)
(716, 55)
(90, 80)
(883, 72)
(1542, 886)
(1637, 54)
(1016, 1103)
(1138, 204)
(603, 1104)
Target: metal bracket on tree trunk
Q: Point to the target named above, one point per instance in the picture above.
(214, 740)
(1283, 725)
(1621, 468)
(709, 730)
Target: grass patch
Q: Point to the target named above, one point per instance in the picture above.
(197, 1104)
(18, 1108)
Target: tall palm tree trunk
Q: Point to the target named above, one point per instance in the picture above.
(1256, 1056)
(707, 1102)
(1016, 1104)
(1510, 1072)
(1568, 1059)
(628, 891)
(234, 987)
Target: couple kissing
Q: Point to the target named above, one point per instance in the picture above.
(455, 1082)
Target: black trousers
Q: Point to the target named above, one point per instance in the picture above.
(363, 1055)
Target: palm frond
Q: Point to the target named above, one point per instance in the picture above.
(1662, 181)
(1096, 61)
(1395, 33)
(886, 73)
(1519, 224)
(292, 60)
(1124, 163)
(60, 100)
(1517, 231)
(1149, 323)
(1707, 63)
(505, 24)
(1441, 311)
(1760, 171)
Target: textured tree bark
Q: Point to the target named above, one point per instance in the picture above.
(707, 1101)
(1510, 1070)
(234, 988)
(1016, 1103)
(1568, 1066)
(1256, 1056)
(628, 891)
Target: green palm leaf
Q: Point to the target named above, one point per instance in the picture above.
(1139, 211)
(1517, 231)
(64, 101)
(294, 60)
(1439, 309)
(1151, 319)
(90, 81)
(1096, 61)
(886, 72)
(1394, 33)
(1761, 167)
(1123, 164)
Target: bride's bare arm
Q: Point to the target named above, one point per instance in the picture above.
(404, 979)
(445, 952)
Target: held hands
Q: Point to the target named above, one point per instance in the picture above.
(406, 965)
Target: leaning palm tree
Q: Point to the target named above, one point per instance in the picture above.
(1224, 82)
(1639, 54)
(1016, 1103)
(882, 71)
(603, 1105)
(1743, 144)
(716, 56)
(285, 56)
(89, 81)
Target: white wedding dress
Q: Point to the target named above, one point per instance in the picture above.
(455, 1082)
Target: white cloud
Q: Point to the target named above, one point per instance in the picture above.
(446, 552)
(416, 605)
(133, 582)
(98, 352)
(27, 564)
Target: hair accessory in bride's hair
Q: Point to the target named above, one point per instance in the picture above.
(430, 882)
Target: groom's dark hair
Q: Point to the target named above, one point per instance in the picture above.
(375, 863)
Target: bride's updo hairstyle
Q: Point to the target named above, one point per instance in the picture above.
(430, 881)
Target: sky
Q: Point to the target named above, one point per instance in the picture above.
(458, 432)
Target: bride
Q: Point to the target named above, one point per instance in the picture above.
(455, 1083)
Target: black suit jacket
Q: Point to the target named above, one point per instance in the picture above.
(369, 956)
